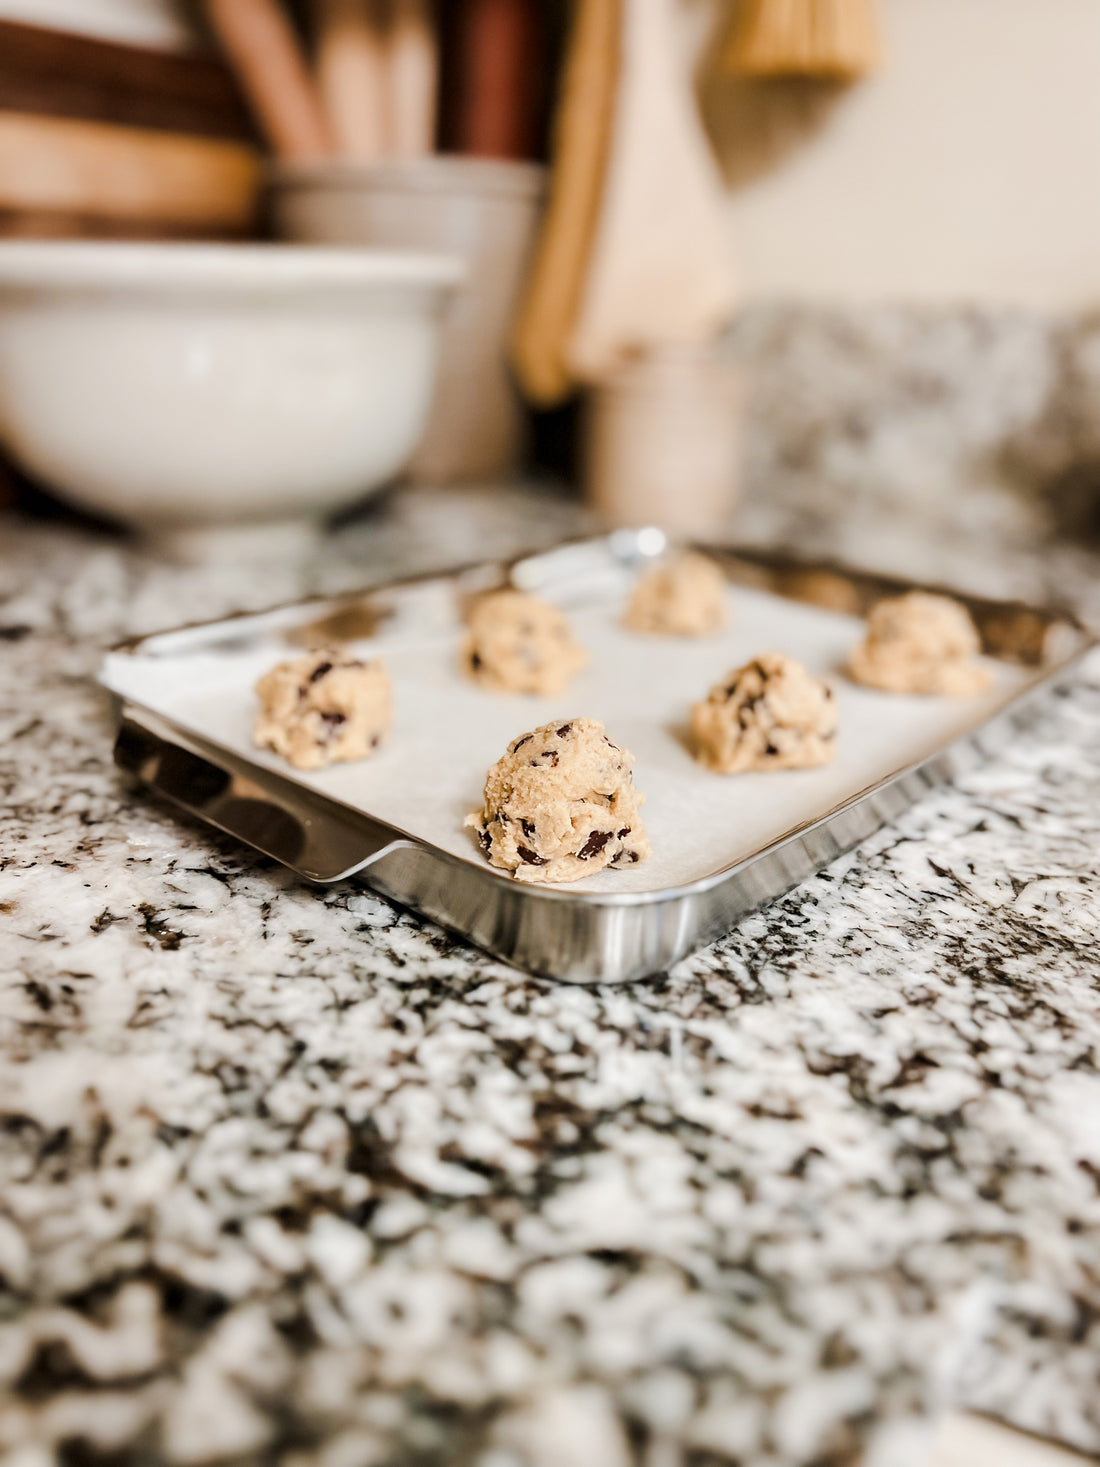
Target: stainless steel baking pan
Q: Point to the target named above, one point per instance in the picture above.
(722, 846)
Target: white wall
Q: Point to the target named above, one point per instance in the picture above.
(969, 169)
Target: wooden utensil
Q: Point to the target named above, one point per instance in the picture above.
(262, 48)
(582, 128)
(413, 78)
(494, 62)
(352, 74)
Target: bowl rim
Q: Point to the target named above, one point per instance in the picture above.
(177, 265)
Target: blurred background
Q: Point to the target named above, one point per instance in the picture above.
(734, 272)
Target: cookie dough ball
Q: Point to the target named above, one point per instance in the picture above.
(324, 707)
(920, 643)
(561, 804)
(685, 597)
(518, 644)
(769, 714)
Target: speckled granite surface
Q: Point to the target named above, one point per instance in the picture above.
(290, 1176)
(974, 421)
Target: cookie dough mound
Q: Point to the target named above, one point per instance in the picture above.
(920, 643)
(561, 804)
(685, 597)
(518, 644)
(769, 714)
(324, 707)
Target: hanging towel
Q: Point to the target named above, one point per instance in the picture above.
(659, 271)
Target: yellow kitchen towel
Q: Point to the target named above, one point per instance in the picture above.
(582, 127)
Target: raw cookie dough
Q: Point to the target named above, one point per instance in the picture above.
(324, 707)
(561, 804)
(519, 644)
(920, 643)
(769, 714)
(684, 597)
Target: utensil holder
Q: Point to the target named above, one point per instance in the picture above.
(483, 210)
(663, 441)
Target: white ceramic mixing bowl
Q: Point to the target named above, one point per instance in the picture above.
(191, 389)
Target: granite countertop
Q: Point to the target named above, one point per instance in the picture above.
(289, 1175)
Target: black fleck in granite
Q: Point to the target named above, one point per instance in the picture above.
(287, 1175)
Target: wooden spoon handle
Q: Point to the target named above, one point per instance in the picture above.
(263, 49)
(413, 78)
(352, 74)
(496, 61)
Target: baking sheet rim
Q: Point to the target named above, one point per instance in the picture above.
(1007, 712)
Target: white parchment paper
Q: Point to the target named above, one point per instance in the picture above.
(447, 732)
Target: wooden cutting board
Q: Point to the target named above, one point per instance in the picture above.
(106, 140)
(58, 75)
(139, 177)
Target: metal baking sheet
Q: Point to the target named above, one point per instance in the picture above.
(721, 844)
